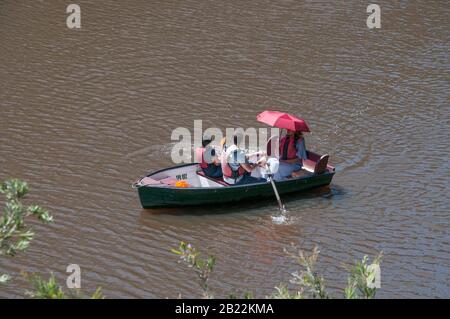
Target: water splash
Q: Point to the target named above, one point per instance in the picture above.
(282, 217)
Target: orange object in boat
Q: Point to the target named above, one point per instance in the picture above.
(182, 184)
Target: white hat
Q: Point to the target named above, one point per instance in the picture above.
(230, 157)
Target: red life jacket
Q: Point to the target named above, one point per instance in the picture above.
(291, 149)
(227, 171)
(200, 158)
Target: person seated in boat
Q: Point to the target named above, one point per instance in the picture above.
(292, 154)
(207, 158)
(235, 166)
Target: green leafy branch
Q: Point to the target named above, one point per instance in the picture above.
(361, 282)
(308, 280)
(362, 279)
(202, 267)
(15, 235)
(50, 289)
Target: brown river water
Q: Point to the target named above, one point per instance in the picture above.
(85, 112)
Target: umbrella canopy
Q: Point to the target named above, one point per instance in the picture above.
(283, 120)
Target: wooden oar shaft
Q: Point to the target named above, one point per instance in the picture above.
(276, 193)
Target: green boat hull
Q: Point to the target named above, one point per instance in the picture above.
(155, 197)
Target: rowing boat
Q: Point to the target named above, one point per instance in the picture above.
(187, 185)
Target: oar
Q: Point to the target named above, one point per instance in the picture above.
(280, 204)
(275, 190)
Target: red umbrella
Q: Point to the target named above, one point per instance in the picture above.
(283, 120)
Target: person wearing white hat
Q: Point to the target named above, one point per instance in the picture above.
(235, 167)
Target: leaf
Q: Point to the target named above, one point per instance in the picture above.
(22, 245)
(14, 188)
(41, 213)
(46, 289)
(200, 264)
(14, 233)
(98, 294)
(211, 261)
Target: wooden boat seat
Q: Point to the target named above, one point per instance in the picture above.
(322, 164)
(214, 179)
(316, 163)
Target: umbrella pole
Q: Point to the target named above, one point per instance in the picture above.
(280, 204)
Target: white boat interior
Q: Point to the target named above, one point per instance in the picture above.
(191, 174)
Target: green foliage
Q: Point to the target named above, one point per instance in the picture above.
(98, 294)
(15, 235)
(50, 289)
(361, 279)
(202, 267)
(46, 289)
(282, 292)
(310, 284)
